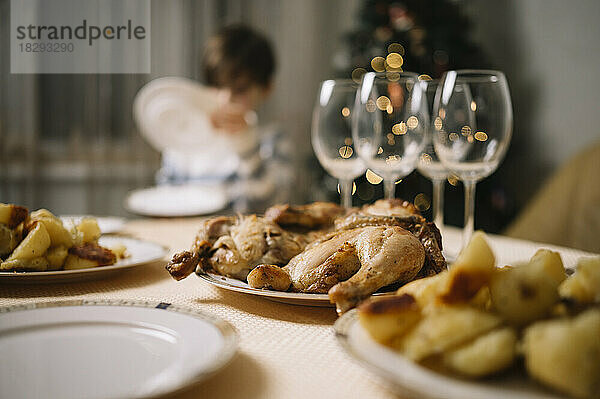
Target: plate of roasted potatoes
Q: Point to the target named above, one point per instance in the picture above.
(38, 247)
(526, 330)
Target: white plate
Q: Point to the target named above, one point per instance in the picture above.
(116, 349)
(293, 298)
(140, 253)
(415, 381)
(107, 224)
(177, 200)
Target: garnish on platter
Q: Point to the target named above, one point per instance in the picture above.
(319, 248)
(38, 241)
(477, 320)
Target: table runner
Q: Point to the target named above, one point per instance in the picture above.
(285, 351)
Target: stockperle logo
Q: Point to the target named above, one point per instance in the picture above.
(80, 36)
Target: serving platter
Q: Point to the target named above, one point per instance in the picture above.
(108, 349)
(412, 380)
(292, 298)
(140, 253)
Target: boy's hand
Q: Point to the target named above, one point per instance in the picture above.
(230, 118)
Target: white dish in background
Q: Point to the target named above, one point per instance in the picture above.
(412, 380)
(108, 349)
(140, 253)
(177, 200)
(107, 224)
(292, 298)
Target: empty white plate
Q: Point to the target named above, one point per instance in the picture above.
(87, 349)
(177, 200)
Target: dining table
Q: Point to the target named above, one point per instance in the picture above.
(284, 350)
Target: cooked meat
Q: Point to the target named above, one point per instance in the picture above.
(390, 207)
(94, 252)
(352, 264)
(311, 216)
(325, 264)
(232, 246)
(425, 231)
(269, 277)
(323, 248)
(182, 264)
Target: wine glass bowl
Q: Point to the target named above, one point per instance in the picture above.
(472, 122)
(472, 128)
(331, 135)
(390, 124)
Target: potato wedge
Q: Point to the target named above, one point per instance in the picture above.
(584, 285)
(389, 317)
(12, 215)
(38, 264)
(33, 245)
(59, 235)
(87, 231)
(486, 355)
(524, 293)
(8, 240)
(88, 255)
(565, 354)
(73, 262)
(549, 263)
(425, 290)
(56, 257)
(471, 271)
(447, 327)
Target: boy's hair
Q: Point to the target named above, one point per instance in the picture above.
(238, 57)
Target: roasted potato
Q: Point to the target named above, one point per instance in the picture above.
(88, 255)
(524, 293)
(445, 328)
(38, 264)
(59, 235)
(389, 317)
(8, 240)
(87, 231)
(12, 215)
(565, 354)
(471, 271)
(269, 277)
(583, 286)
(425, 290)
(56, 257)
(33, 245)
(486, 355)
(119, 250)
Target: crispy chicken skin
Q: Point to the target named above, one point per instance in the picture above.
(319, 248)
(310, 216)
(232, 246)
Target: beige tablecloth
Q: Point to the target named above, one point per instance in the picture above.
(285, 351)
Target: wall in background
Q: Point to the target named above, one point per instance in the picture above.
(550, 51)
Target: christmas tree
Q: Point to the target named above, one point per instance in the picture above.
(429, 37)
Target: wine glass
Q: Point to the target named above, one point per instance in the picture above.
(332, 134)
(429, 164)
(472, 149)
(390, 124)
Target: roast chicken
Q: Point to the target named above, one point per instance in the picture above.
(318, 248)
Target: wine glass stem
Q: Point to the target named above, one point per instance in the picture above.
(469, 212)
(346, 192)
(438, 202)
(389, 187)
